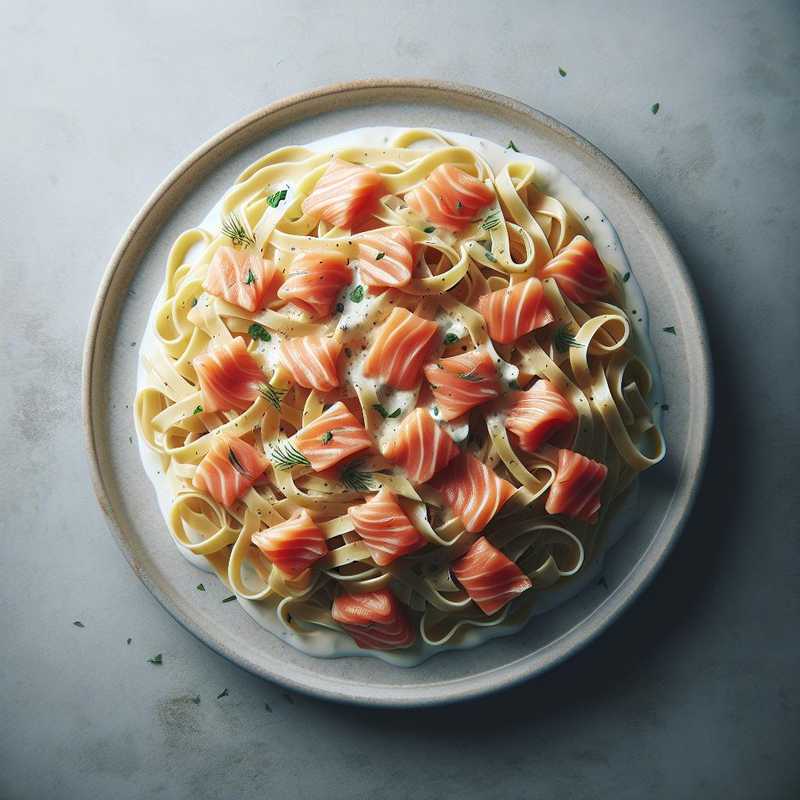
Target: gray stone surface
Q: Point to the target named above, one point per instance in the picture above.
(694, 692)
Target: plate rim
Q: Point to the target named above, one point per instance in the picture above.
(492, 680)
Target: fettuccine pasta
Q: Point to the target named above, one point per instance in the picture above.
(395, 393)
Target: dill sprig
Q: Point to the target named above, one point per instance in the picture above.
(355, 479)
(236, 464)
(491, 220)
(563, 340)
(233, 228)
(286, 456)
(272, 395)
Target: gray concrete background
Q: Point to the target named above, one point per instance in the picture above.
(694, 692)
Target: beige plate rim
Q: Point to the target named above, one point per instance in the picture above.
(157, 209)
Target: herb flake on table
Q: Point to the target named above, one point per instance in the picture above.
(654, 108)
(223, 693)
(511, 146)
(200, 587)
(78, 624)
(670, 329)
(229, 599)
(157, 659)
(562, 72)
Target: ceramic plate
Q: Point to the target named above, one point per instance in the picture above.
(135, 274)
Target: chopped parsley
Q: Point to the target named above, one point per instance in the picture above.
(357, 295)
(250, 277)
(229, 599)
(223, 693)
(275, 199)
(562, 72)
(379, 256)
(78, 624)
(384, 413)
(670, 329)
(326, 437)
(451, 338)
(654, 108)
(155, 659)
(512, 146)
(626, 277)
(429, 229)
(257, 331)
(197, 410)
(200, 587)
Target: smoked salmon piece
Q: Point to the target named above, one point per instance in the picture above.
(576, 490)
(375, 620)
(515, 311)
(386, 257)
(343, 193)
(229, 376)
(385, 528)
(490, 578)
(311, 361)
(402, 343)
(292, 546)
(450, 197)
(578, 271)
(242, 278)
(420, 446)
(472, 491)
(315, 280)
(333, 435)
(228, 469)
(537, 414)
(462, 382)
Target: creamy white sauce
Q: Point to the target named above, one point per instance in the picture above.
(327, 643)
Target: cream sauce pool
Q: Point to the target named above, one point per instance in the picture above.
(329, 644)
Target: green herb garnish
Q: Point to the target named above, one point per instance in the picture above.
(232, 228)
(384, 413)
(78, 624)
(326, 437)
(200, 587)
(236, 464)
(429, 229)
(197, 410)
(435, 411)
(250, 277)
(272, 395)
(562, 72)
(257, 331)
(229, 598)
(670, 329)
(626, 277)
(275, 199)
(155, 659)
(286, 456)
(129, 640)
(223, 693)
(459, 204)
(379, 256)
(512, 146)
(194, 302)
(564, 340)
(491, 220)
(450, 338)
(654, 108)
(357, 295)
(355, 479)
